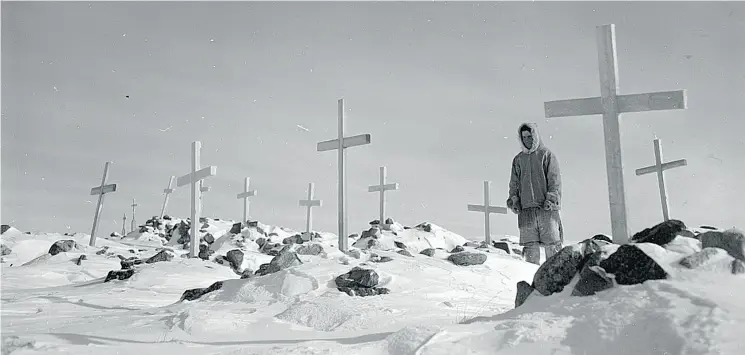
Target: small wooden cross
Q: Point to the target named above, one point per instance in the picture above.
(382, 187)
(168, 192)
(310, 203)
(100, 190)
(659, 167)
(245, 195)
(197, 174)
(487, 209)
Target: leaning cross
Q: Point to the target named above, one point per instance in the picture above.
(309, 203)
(193, 179)
(487, 209)
(168, 192)
(340, 144)
(659, 167)
(100, 191)
(245, 195)
(134, 224)
(610, 105)
(382, 187)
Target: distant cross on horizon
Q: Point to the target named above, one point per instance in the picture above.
(134, 223)
(101, 190)
(245, 195)
(611, 105)
(382, 187)
(341, 144)
(310, 203)
(193, 179)
(124, 224)
(487, 209)
(659, 167)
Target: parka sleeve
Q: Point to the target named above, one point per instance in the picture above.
(553, 179)
(514, 184)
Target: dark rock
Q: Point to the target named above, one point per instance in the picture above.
(602, 237)
(80, 259)
(524, 290)
(399, 245)
(102, 251)
(133, 251)
(235, 258)
(502, 245)
(285, 258)
(467, 258)
(5, 250)
(425, 227)
(4, 228)
(247, 274)
(162, 255)
(208, 238)
(119, 275)
(375, 222)
(365, 291)
(355, 253)
(309, 249)
(260, 242)
(62, 246)
(559, 270)
(379, 259)
(405, 253)
(457, 249)
(738, 267)
(592, 278)
(266, 269)
(205, 252)
(358, 277)
(631, 266)
(372, 243)
(732, 241)
(702, 257)
(254, 224)
(389, 221)
(428, 252)
(144, 229)
(195, 293)
(236, 228)
(660, 234)
(128, 264)
(167, 217)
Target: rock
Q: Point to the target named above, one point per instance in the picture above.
(425, 227)
(80, 259)
(128, 264)
(406, 253)
(467, 258)
(365, 291)
(295, 239)
(4, 228)
(195, 293)
(309, 249)
(205, 252)
(592, 278)
(373, 232)
(260, 241)
(62, 246)
(358, 277)
(602, 237)
(524, 290)
(162, 255)
(167, 217)
(254, 224)
(379, 259)
(119, 275)
(703, 257)
(374, 222)
(738, 267)
(235, 258)
(5, 250)
(428, 252)
(631, 266)
(457, 249)
(355, 253)
(247, 274)
(208, 238)
(399, 245)
(660, 234)
(102, 251)
(502, 245)
(389, 221)
(236, 228)
(285, 259)
(732, 241)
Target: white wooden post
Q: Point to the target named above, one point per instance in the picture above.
(310, 203)
(134, 224)
(202, 189)
(193, 179)
(101, 190)
(659, 167)
(382, 187)
(487, 209)
(610, 105)
(245, 195)
(340, 144)
(168, 192)
(124, 223)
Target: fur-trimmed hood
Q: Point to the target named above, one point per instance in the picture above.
(536, 137)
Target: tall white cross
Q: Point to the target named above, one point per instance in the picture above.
(310, 203)
(341, 144)
(133, 223)
(487, 209)
(245, 195)
(168, 192)
(124, 223)
(193, 179)
(659, 167)
(382, 187)
(100, 190)
(611, 105)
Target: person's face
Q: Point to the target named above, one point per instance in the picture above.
(527, 139)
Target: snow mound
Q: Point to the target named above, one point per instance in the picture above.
(319, 316)
(282, 286)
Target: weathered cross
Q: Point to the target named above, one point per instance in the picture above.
(124, 223)
(310, 203)
(610, 105)
(168, 192)
(382, 187)
(134, 224)
(487, 209)
(100, 190)
(245, 195)
(193, 179)
(659, 167)
(341, 144)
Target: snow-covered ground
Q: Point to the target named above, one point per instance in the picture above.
(52, 305)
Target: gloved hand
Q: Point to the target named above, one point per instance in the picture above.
(549, 205)
(513, 203)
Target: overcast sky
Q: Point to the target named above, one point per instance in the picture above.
(441, 87)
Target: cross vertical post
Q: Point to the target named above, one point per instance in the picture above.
(168, 192)
(382, 187)
(134, 223)
(611, 105)
(340, 144)
(100, 191)
(124, 223)
(310, 203)
(245, 195)
(487, 209)
(659, 167)
(193, 179)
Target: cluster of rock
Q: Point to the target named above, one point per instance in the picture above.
(360, 282)
(598, 264)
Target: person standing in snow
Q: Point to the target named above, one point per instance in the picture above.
(535, 195)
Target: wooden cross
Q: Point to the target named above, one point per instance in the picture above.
(340, 144)
(100, 190)
(134, 224)
(310, 203)
(245, 195)
(193, 179)
(168, 192)
(382, 187)
(124, 223)
(659, 167)
(487, 209)
(610, 105)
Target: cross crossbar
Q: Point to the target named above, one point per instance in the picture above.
(655, 101)
(665, 166)
(353, 141)
(196, 176)
(106, 189)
